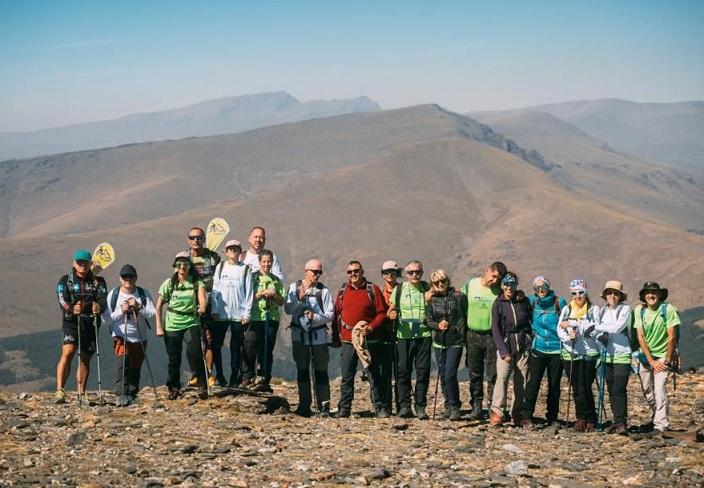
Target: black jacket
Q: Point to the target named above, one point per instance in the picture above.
(511, 324)
(453, 308)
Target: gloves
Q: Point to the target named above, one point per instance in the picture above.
(604, 338)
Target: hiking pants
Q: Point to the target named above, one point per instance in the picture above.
(583, 373)
(194, 355)
(448, 360)
(617, 382)
(519, 367)
(655, 391)
(320, 357)
(219, 329)
(380, 369)
(133, 364)
(348, 370)
(410, 353)
(481, 360)
(253, 350)
(538, 363)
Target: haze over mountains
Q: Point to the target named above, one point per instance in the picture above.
(419, 182)
(221, 116)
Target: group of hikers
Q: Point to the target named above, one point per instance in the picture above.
(390, 329)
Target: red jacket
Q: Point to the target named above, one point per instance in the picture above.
(354, 304)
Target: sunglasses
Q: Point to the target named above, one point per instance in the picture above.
(196, 238)
(415, 272)
(82, 263)
(182, 264)
(316, 272)
(578, 293)
(354, 271)
(388, 272)
(440, 282)
(613, 292)
(541, 288)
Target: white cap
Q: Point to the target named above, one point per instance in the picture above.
(233, 243)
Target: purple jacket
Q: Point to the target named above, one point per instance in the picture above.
(511, 324)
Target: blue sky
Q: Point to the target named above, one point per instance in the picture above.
(70, 62)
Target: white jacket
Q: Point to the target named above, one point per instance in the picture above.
(232, 291)
(124, 325)
(616, 322)
(584, 345)
(314, 332)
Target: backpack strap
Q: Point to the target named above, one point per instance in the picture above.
(557, 305)
(114, 293)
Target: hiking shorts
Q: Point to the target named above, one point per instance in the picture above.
(70, 331)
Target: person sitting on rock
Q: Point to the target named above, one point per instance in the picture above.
(656, 323)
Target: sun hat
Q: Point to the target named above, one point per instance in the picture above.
(614, 285)
(652, 286)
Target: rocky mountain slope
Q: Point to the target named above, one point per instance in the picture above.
(221, 116)
(239, 440)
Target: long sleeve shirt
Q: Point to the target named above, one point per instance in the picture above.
(616, 322)
(319, 300)
(232, 293)
(355, 304)
(124, 325)
(584, 343)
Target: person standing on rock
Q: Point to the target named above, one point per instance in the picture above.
(82, 297)
(511, 317)
(260, 336)
(257, 241)
(481, 293)
(413, 340)
(545, 351)
(446, 313)
(185, 297)
(579, 353)
(656, 323)
(231, 304)
(359, 305)
(390, 273)
(312, 308)
(129, 308)
(612, 332)
(204, 262)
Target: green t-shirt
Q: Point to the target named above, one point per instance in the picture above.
(411, 322)
(480, 299)
(259, 306)
(182, 311)
(655, 328)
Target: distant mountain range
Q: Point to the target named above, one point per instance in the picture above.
(670, 133)
(221, 116)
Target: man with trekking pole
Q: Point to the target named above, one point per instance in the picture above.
(359, 311)
(129, 308)
(311, 307)
(390, 272)
(82, 297)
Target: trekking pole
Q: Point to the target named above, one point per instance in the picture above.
(124, 353)
(97, 354)
(394, 341)
(204, 350)
(437, 379)
(600, 391)
(312, 368)
(78, 369)
(266, 341)
(146, 359)
(569, 381)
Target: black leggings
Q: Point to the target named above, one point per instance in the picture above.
(194, 355)
(254, 351)
(538, 363)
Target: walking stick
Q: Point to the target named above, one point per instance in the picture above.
(437, 379)
(146, 359)
(97, 354)
(312, 369)
(266, 342)
(124, 354)
(78, 369)
(203, 352)
(569, 381)
(600, 390)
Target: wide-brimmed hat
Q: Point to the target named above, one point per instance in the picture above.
(614, 285)
(653, 286)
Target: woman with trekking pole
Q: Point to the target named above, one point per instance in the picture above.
(184, 295)
(446, 314)
(260, 336)
(511, 317)
(612, 331)
(579, 354)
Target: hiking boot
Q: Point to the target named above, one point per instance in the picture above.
(221, 381)
(619, 428)
(246, 383)
(647, 428)
(383, 413)
(123, 401)
(527, 423)
(174, 393)
(420, 413)
(476, 413)
(589, 426)
(516, 421)
(193, 381)
(203, 393)
(455, 414)
(343, 413)
(405, 413)
(60, 396)
(211, 381)
(496, 419)
(83, 401)
(579, 425)
(303, 412)
(446, 412)
(263, 387)
(324, 411)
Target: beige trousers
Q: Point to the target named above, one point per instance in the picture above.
(655, 391)
(519, 367)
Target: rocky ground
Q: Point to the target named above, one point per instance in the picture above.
(236, 439)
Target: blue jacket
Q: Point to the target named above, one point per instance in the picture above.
(546, 314)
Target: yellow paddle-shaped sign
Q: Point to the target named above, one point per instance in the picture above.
(216, 232)
(103, 256)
